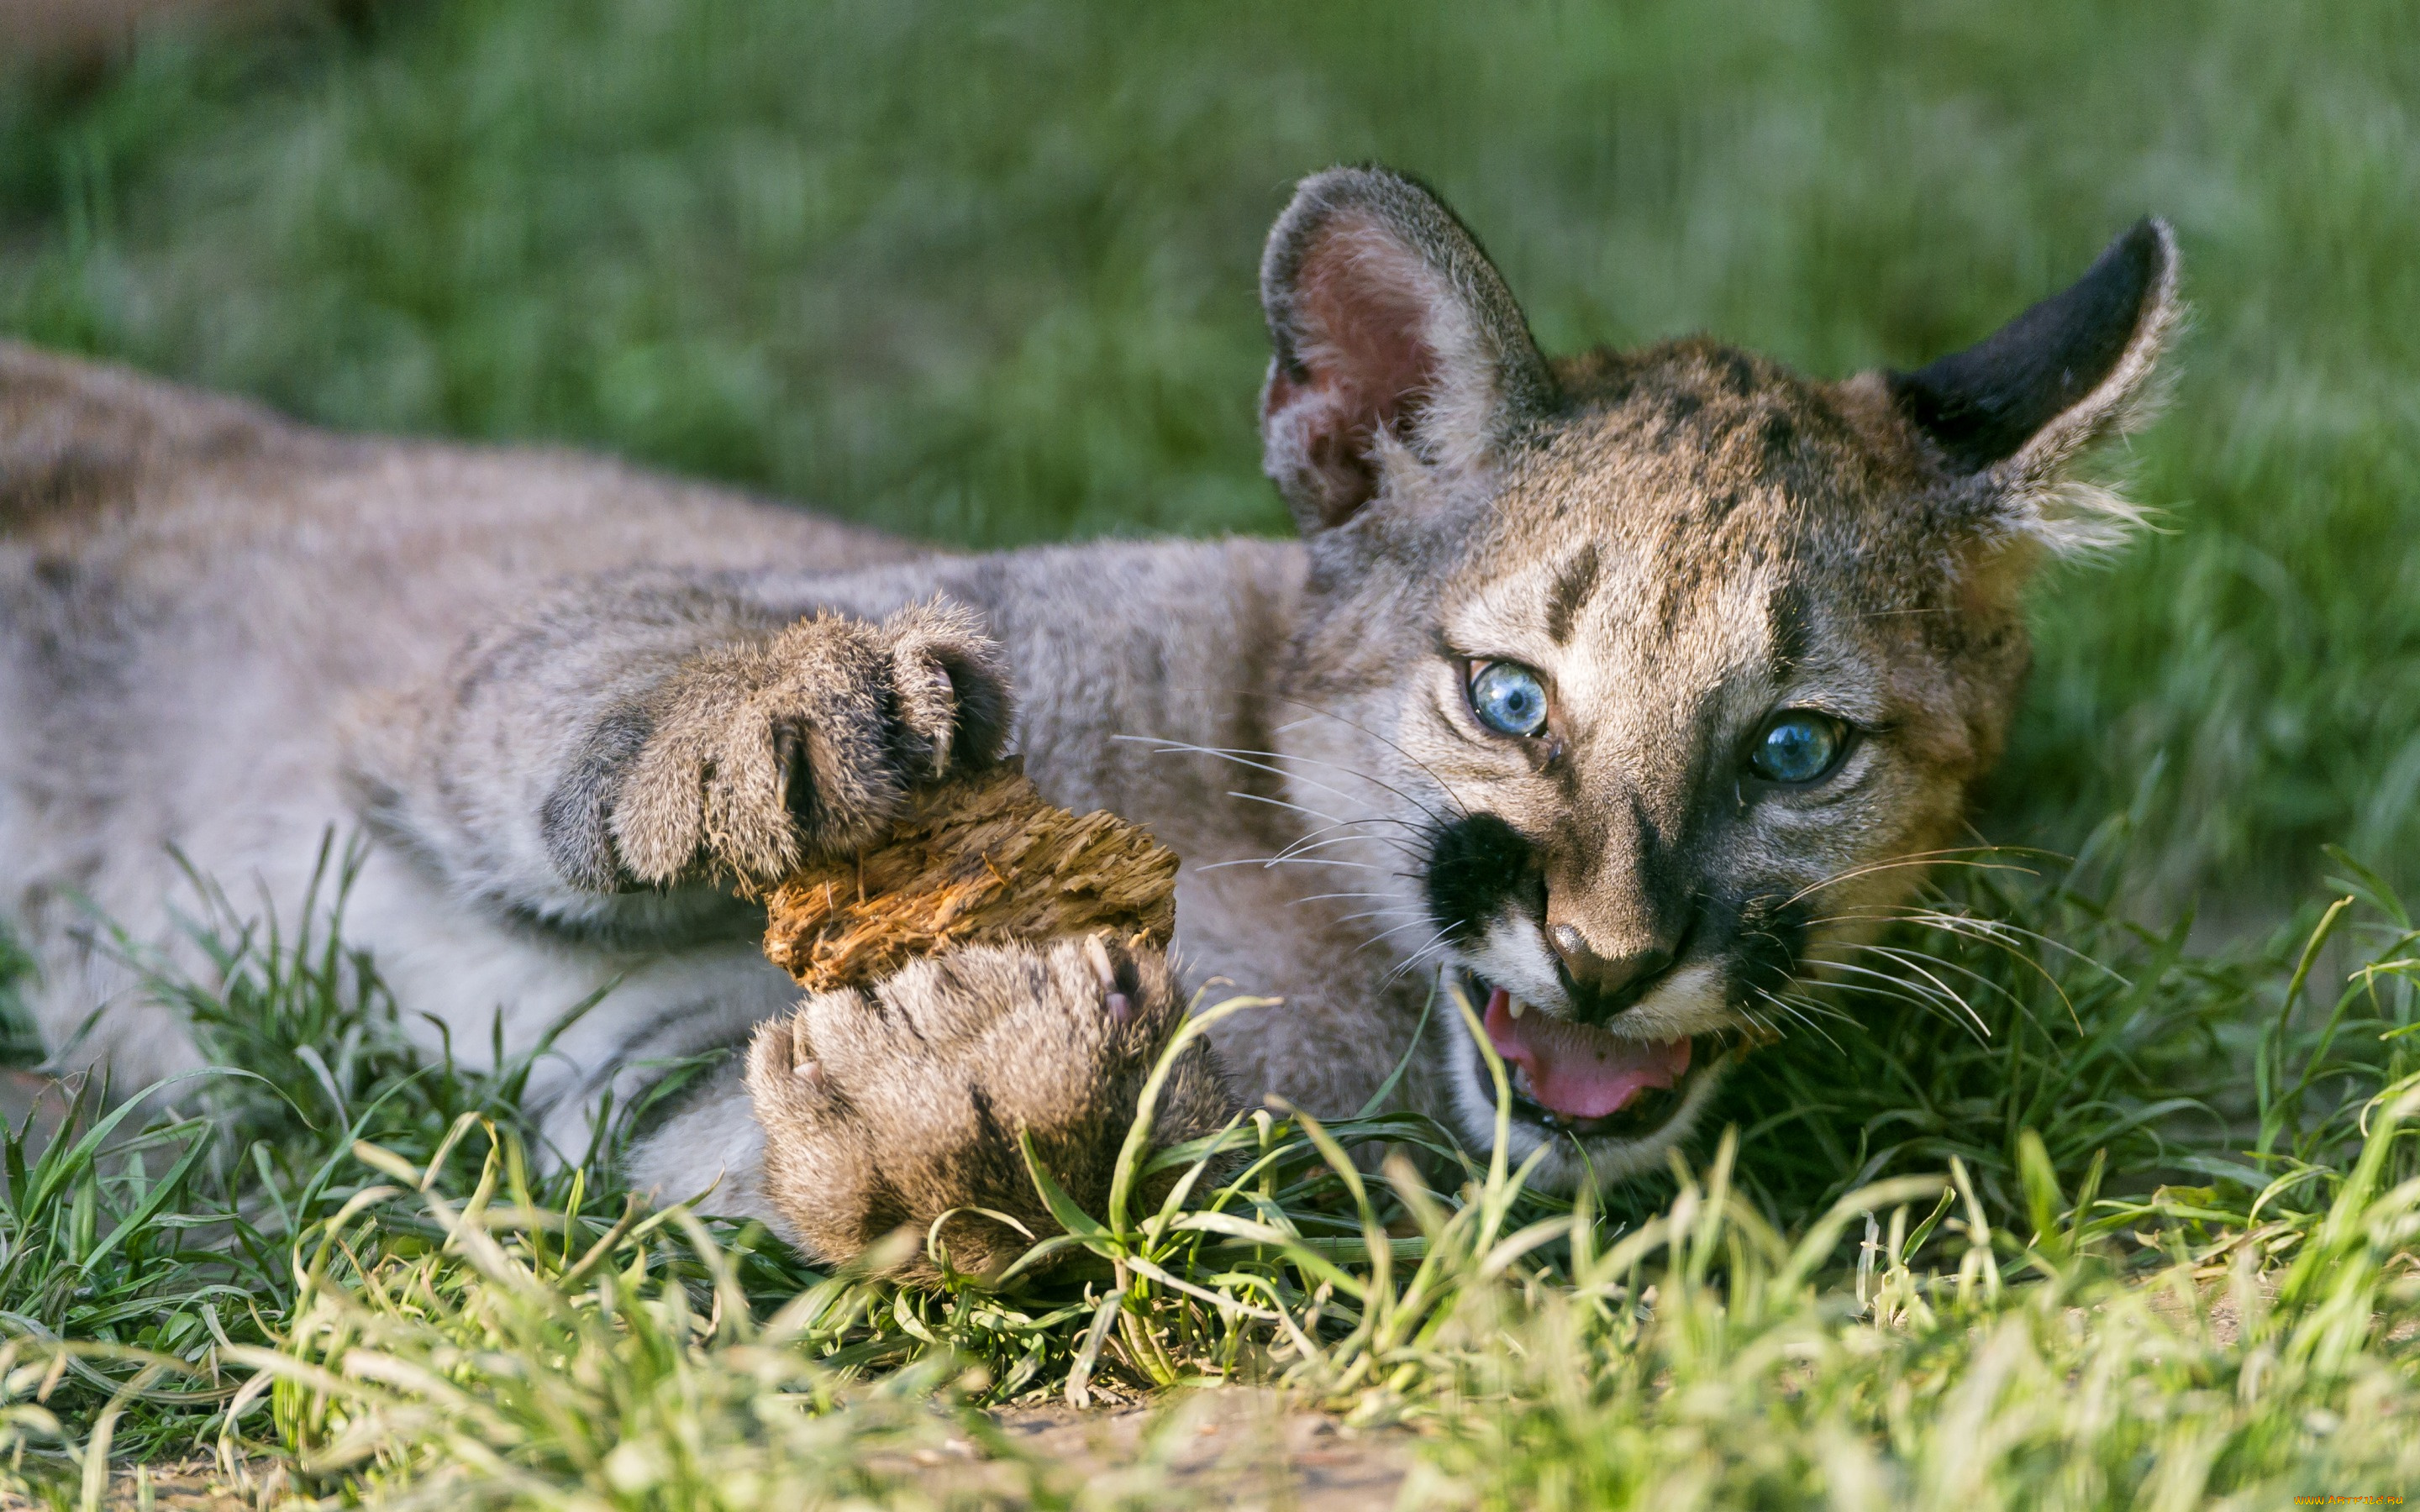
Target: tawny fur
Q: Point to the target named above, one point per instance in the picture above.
(576, 706)
(890, 1106)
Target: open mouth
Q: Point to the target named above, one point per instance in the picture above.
(1584, 1081)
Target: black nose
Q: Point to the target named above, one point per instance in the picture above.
(1603, 985)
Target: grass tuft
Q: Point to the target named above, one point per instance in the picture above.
(2037, 1207)
(2084, 1264)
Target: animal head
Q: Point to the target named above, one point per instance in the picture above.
(1633, 684)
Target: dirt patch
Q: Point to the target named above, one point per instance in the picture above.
(181, 1485)
(1237, 1449)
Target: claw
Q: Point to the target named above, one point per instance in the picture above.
(1097, 952)
(809, 1071)
(792, 761)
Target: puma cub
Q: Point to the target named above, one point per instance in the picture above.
(1612, 691)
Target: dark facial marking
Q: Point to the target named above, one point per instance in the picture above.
(1572, 586)
(1779, 438)
(1787, 625)
(1478, 865)
(1769, 934)
(1679, 410)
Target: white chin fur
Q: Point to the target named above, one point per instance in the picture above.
(1689, 1001)
(1514, 955)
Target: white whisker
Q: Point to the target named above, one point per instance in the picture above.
(1373, 913)
(1916, 960)
(1918, 859)
(1242, 757)
(1436, 944)
(1265, 861)
(1306, 843)
(1184, 748)
(1433, 775)
(1410, 923)
(1937, 998)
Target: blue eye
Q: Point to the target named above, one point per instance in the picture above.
(1508, 698)
(1797, 746)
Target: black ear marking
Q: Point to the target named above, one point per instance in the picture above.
(1983, 405)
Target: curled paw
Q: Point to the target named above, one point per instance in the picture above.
(763, 754)
(886, 1108)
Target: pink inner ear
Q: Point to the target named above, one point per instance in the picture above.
(1362, 308)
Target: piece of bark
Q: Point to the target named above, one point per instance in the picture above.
(984, 858)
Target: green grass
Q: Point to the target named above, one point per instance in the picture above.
(335, 1271)
(987, 275)
(2144, 1229)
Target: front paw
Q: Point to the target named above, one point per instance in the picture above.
(887, 1108)
(761, 756)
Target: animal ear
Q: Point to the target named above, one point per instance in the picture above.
(2015, 409)
(1386, 322)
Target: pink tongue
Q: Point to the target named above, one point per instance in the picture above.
(1575, 1071)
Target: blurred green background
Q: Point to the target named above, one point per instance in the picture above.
(985, 274)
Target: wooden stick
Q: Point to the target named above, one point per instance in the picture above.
(984, 858)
